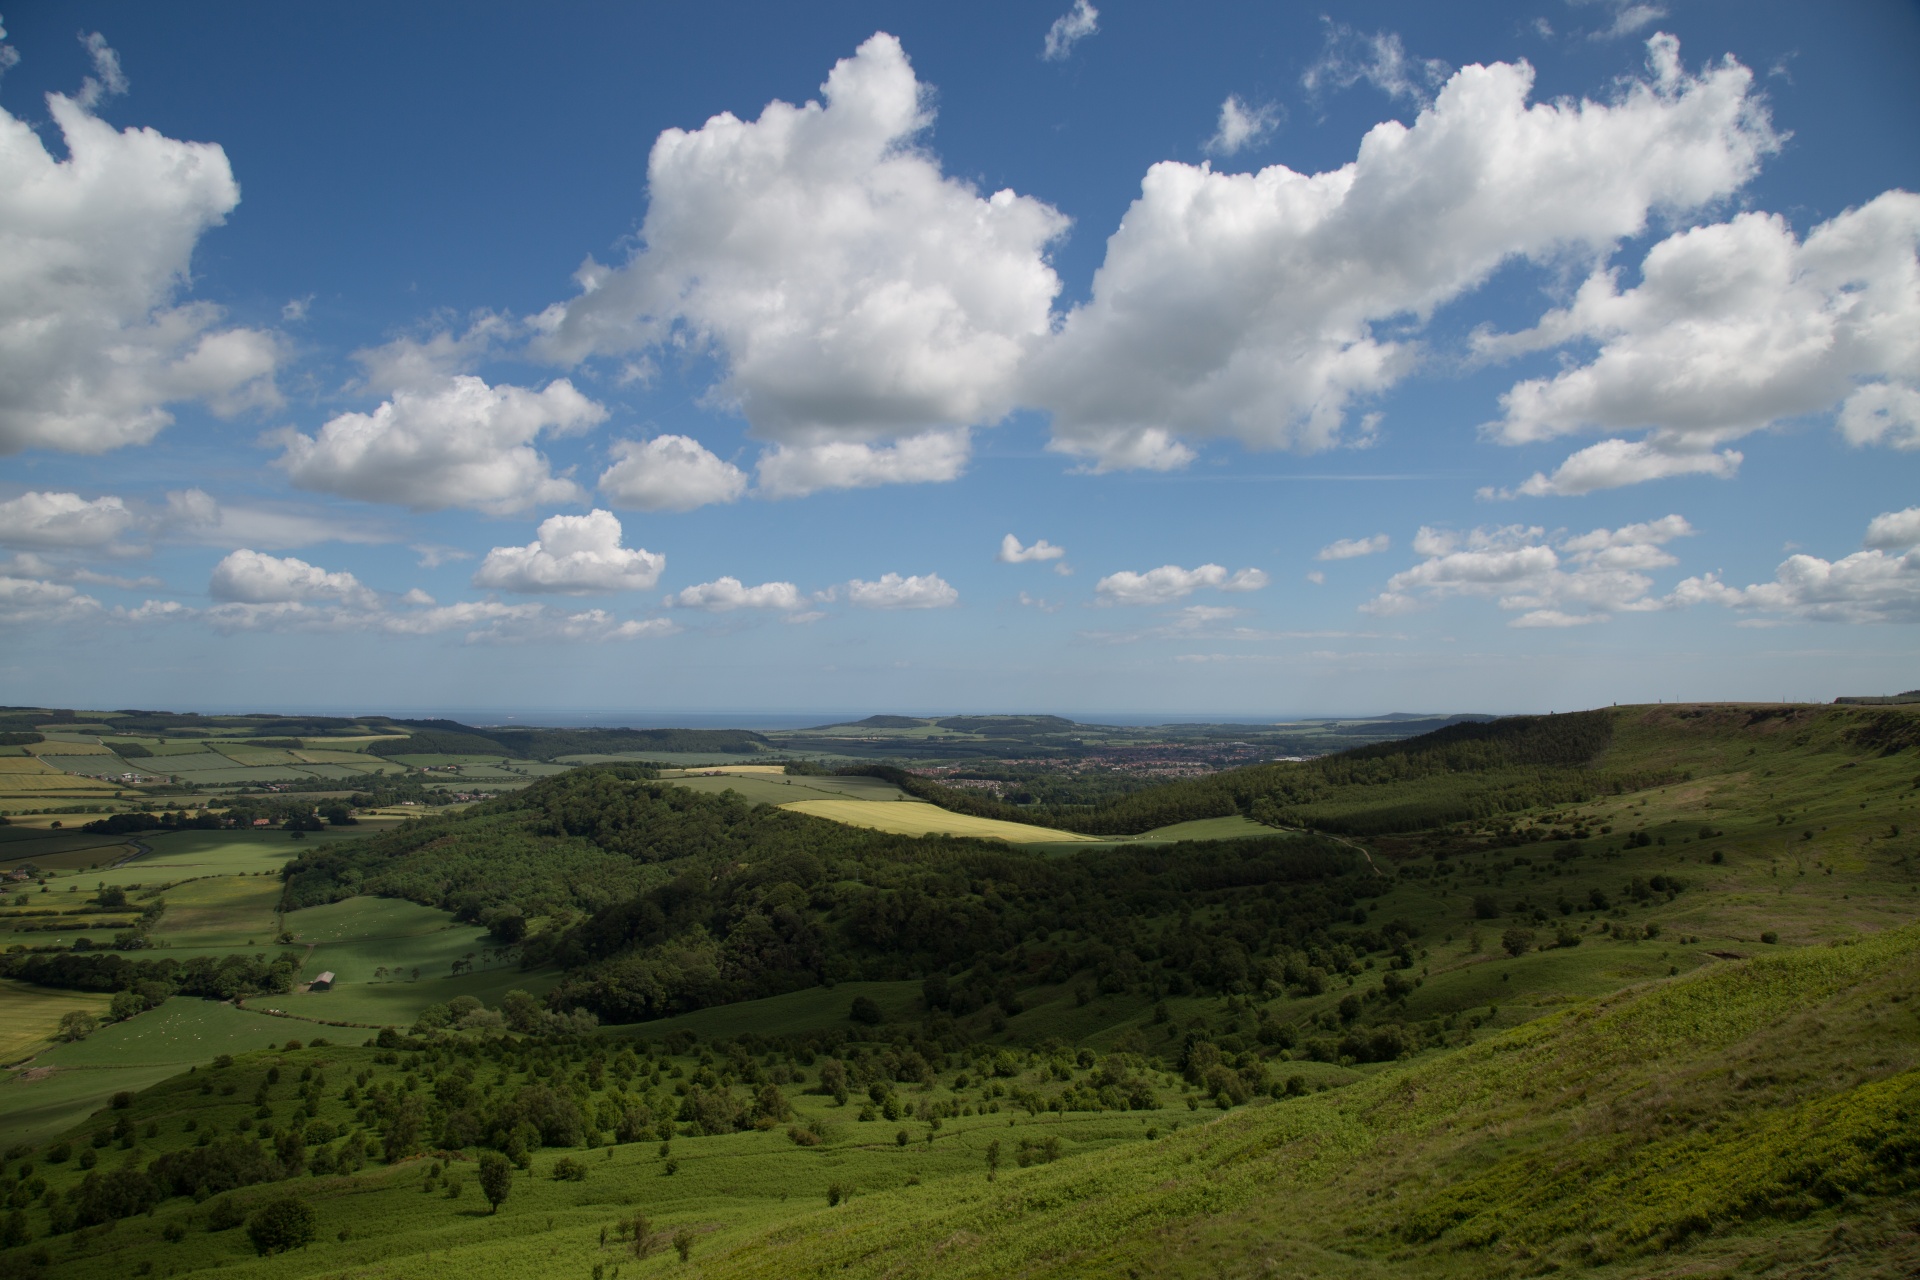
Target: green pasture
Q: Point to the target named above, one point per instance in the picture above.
(785, 790)
(221, 911)
(29, 1015)
(22, 843)
(670, 759)
(99, 765)
(398, 1002)
(67, 1081)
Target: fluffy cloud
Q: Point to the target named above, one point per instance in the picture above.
(725, 594)
(424, 364)
(669, 473)
(94, 343)
(1241, 126)
(1882, 413)
(1069, 29)
(1559, 581)
(1349, 548)
(250, 577)
(1011, 552)
(573, 555)
(1245, 305)
(460, 444)
(1881, 584)
(1170, 582)
(1732, 327)
(63, 521)
(854, 293)
(793, 471)
(1613, 463)
(25, 601)
(1894, 530)
(892, 591)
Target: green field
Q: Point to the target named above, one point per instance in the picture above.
(69, 1080)
(29, 1015)
(775, 789)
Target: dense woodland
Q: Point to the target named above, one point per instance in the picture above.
(659, 900)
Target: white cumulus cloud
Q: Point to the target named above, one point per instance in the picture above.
(1069, 29)
(1011, 552)
(63, 521)
(95, 342)
(252, 577)
(725, 594)
(1614, 463)
(1733, 327)
(1246, 305)
(461, 444)
(854, 294)
(891, 591)
(573, 555)
(1880, 584)
(409, 363)
(669, 473)
(1349, 548)
(1170, 582)
(1557, 581)
(1894, 530)
(30, 601)
(793, 471)
(1241, 126)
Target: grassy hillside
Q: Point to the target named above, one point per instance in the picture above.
(1630, 993)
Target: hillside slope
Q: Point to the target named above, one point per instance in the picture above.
(1759, 1115)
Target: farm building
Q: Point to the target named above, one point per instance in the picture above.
(322, 983)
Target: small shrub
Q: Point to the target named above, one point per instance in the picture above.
(683, 1243)
(284, 1224)
(567, 1169)
(1769, 937)
(225, 1215)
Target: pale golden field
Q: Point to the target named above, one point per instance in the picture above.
(917, 818)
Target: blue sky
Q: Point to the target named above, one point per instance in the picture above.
(1190, 360)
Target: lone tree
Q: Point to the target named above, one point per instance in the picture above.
(76, 1024)
(496, 1178)
(1517, 941)
(283, 1224)
(683, 1243)
(865, 1011)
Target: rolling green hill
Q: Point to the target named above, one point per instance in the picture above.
(1624, 993)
